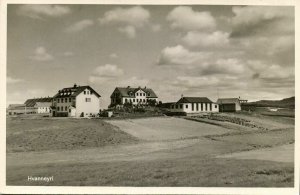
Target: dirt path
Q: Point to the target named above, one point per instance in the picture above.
(283, 153)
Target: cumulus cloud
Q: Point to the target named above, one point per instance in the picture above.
(129, 31)
(201, 39)
(196, 82)
(108, 70)
(179, 55)
(39, 11)
(10, 80)
(135, 16)
(113, 55)
(184, 17)
(79, 26)
(253, 20)
(41, 54)
(223, 66)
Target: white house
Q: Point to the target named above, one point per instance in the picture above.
(135, 96)
(43, 107)
(76, 101)
(194, 105)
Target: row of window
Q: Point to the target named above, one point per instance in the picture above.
(62, 100)
(195, 106)
(62, 108)
(135, 100)
(87, 92)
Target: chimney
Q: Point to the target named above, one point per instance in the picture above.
(128, 86)
(75, 85)
(145, 87)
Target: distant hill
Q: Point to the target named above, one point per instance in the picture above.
(284, 103)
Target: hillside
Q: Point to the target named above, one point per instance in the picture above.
(284, 103)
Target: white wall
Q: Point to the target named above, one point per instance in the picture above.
(187, 107)
(87, 108)
(43, 110)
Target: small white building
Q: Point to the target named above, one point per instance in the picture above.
(43, 107)
(135, 96)
(229, 104)
(194, 105)
(76, 101)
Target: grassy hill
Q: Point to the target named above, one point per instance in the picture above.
(284, 103)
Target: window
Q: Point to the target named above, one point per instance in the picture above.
(46, 109)
(57, 108)
(216, 106)
(197, 106)
(57, 100)
(62, 108)
(206, 106)
(84, 92)
(66, 108)
(87, 99)
(210, 106)
(186, 106)
(201, 106)
(70, 99)
(144, 100)
(141, 94)
(130, 100)
(126, 100)
(137, 94)
(140, 100)
(181, 106)
(69, 110)
(91, 92)
(66, 100)
(133, 100)
(192, 106)
(62, 100)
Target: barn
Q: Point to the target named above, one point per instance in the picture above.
(229, 104)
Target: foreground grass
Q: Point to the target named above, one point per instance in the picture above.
(198, 172)
(54, 134)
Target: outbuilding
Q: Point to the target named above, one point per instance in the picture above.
(229, 104)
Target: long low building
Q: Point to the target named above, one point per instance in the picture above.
(194, 105)
(229, 104)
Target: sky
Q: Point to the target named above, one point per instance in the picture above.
(216, 51)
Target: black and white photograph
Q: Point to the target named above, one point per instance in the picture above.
(150, 95)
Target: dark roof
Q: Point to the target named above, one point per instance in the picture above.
(32, 102)
(125, 91)
(194, 100)
(228, 100)
(73, 91)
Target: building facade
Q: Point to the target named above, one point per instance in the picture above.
(194, 105)
(76, 101)
(134, 96)
(229, 104)
(43, 107)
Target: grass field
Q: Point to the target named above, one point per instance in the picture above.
(156, 151)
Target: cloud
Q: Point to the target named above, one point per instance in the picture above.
(179, 55)
(156, 27)
(39, 11)
(79, 26)
(266, 20)
(196, 82)
(135, 16)
(41, 54)
(108, 70)
(184, 17)
(10, 80)
(204, 40)
(113, 55)
(230, 66)
(129, 31)
(68, 53)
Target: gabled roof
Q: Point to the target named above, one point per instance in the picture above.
(125, 91)
(73, 91)
(31, 102)
(43, 104)
(228, 100)
(194, 100)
